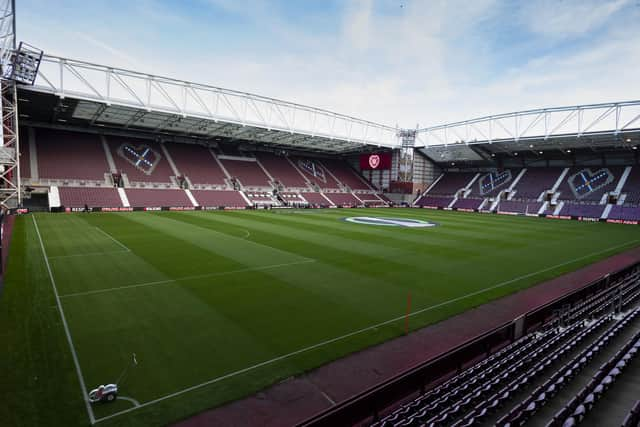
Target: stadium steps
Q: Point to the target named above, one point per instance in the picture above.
(489, 386)
(538, 363)
(573, 384)
(614, 407)
(608, 376)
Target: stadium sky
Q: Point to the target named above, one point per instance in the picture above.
(395, 62)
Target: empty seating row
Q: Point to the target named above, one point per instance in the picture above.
(521, 207)
(548, 360)
(535, 181)
(476, 393)
(197, 163)
(450, 183)
(527, 408)
(632, 187)
(582, 210)
(316, 199)
(70, 155)
(282, 170)
(487, 366)
(434, 201)
(575, 411)
(78, 197)
(343, 199)
(74, 156)
(491, 391)
(346, 175)
(581, 190)
(247, 171)
(469, 203)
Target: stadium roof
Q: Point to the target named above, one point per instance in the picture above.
(86, 94)
(595, 127)
(99, 95)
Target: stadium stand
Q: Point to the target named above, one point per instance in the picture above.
(492, 183)
(217, 198)
(470, 203)
(197, 164)
(77, 197)
(535, 181)
(262, 198)
(25, 156)
(450, 183)
(443, 192)
(343, 199)
(625, 213)
(632, 186)
(144, 197)
(282, 170)
(520, 207)
(247, 171)
(371, 199)
(346, 175)
(315, 199)
(582, 210)
(66, 155)
(316, 173)
(545, 360)
(290, 198)
(142, 161)
(434, 201)
(589, 184)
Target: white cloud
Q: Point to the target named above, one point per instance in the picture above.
(427, 63)
(565, 18)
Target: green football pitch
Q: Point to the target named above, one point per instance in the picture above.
(218, 305)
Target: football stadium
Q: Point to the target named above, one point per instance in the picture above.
(177, 253)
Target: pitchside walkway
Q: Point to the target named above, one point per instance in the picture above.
(296, 399)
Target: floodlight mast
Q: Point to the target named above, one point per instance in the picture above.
(18, 65)
(10, 185)
(405, 168)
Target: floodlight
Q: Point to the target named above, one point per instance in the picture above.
(23, 65)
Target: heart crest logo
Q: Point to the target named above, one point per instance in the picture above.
(374, 161)
(586, 182)
(493, 181)
(142, 157)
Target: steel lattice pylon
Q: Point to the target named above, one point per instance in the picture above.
(10, 186)
(405, 168)
(10, 191)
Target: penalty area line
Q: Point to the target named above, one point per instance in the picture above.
(182, 279)
(87, 254)
(357, 332)
(76, 362)
(118, 242)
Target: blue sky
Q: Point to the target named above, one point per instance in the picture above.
(392, 61)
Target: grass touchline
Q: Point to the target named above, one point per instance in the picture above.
(66, 327)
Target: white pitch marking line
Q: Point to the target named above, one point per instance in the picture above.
(113, 239)
(129, 399)
(180, 279)
(350, 334)
(76, 362)
(87, 254)
(273, 248)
